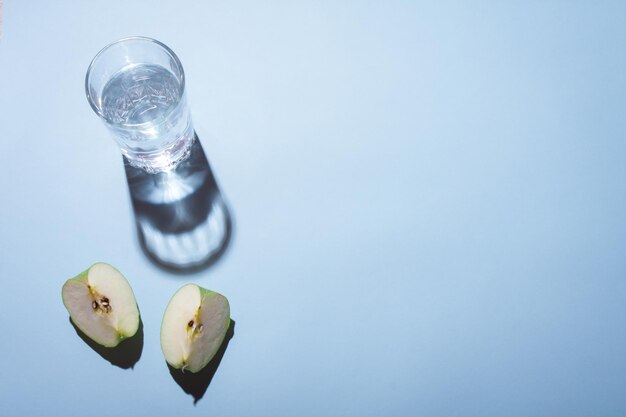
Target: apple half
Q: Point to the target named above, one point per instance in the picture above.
(102, 305)
(193, 328)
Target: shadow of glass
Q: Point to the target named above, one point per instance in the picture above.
(183, 223)
(197, 384)
(189, 269)
(125, 355)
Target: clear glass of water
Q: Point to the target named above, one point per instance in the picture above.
(137, 87)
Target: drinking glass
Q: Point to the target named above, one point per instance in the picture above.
(137, 87)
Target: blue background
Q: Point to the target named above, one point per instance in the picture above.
(429, 205)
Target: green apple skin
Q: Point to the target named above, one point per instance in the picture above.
(194, 325)
(101, 303)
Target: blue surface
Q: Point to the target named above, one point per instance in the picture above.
(429, 206)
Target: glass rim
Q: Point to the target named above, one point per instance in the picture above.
(166, 48)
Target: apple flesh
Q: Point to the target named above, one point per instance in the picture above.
(193, 328)
(102, 305)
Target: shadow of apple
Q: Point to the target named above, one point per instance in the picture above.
(125, 355)
(196, 384)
